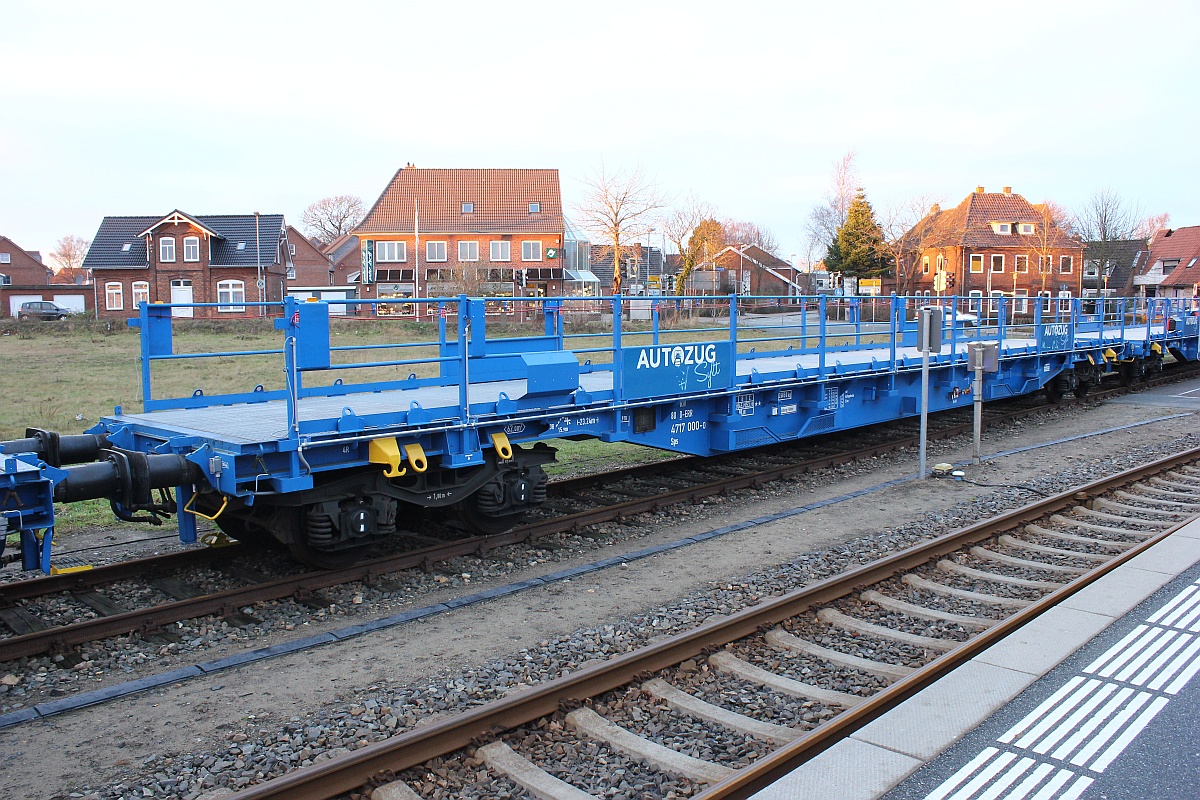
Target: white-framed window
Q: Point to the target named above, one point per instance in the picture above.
(1021, 302)
(1065, 265)
(1064, 302)
(191, 248)
(166, 248)
(1026, 228)
(468, 251)
(1045, 264)
(975, 300)
(501, 251)
(291, 273)
(141, 292)
(231, 295)
(5, 258)
(1020, 263)
(977, 262)
(468, 208)
(1091, 268)
(535, 208)
(994, 301)
(435, 251)
(531, 251)
(1002, 228)
(391, 251)
(1046, 300)
(5, 280)
(997, 262)
(114, 296)
(925, 265)
(291, 249)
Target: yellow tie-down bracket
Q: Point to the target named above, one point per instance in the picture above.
(502, 445)
(387, 451)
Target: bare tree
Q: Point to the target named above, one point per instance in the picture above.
(1151, 225)
(825, 220)
(679, 226)
(1104, 220)
(618, 207)
(69, 252)
(738, 232)
(908, 231)
(1051, 232)
(330, 217)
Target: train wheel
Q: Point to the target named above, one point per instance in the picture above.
(1055, 388)
(482, 522)
(305, 553)
(1082, 388)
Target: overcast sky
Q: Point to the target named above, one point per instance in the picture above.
(235, 107)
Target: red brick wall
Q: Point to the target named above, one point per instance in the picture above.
(203, 277)
(312, 267)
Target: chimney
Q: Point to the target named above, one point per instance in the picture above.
(978, 190)
(935, 208)
(1008, 190)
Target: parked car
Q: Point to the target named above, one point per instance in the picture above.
(42, 309)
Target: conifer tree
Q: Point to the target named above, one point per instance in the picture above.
(857, 251)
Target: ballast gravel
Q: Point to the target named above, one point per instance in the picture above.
(258, 749)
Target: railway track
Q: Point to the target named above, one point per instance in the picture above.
(83, 612)
(727, 707)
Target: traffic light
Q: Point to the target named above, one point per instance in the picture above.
(950, 281)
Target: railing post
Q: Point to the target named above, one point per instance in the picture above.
(821, 341)
(654, 320)
(617, 367)
(733, 323)
(893, 318)
(1001, 324)
(464, 322)
(1037, 323)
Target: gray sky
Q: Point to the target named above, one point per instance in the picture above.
(234, 107)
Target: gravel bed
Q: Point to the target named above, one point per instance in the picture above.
(993, 588)
(1098, 547)
(552, 658)
(449, 779)
(807, 669)
(897, 621)
(856, 644)
(749, 699)
(652, 719)
(592, 766)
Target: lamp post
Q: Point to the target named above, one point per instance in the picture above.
(258, 262)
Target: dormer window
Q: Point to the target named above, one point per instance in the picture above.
(166, 248)
(241, 245)
(125, 247)
(468, 208)
(535, 208)
(1026, 228)
(1002, 228)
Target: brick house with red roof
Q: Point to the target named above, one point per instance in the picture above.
(181, 258)
(309, 266)
(995, 244)
(1172, 268)
(442, 232)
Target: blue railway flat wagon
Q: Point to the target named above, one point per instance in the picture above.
(355, 441)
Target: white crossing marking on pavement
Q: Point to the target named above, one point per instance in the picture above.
(1085, 730)
(1116, 650)
(1094, 718)
(1117, 747)
(951, 783)
(1110, 730)
(1034, 715)
(1177, 607)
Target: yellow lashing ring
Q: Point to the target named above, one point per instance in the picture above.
(501, 443)
(188, 508)
(416, 457)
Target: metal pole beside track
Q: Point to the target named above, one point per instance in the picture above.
(924, 403)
